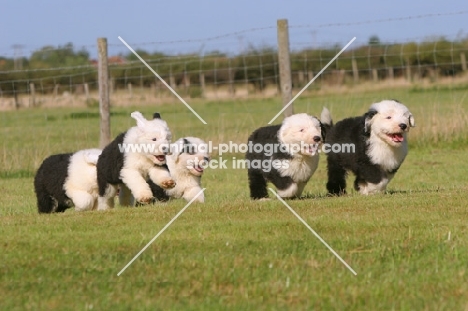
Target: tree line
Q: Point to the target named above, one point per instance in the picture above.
(67, 66)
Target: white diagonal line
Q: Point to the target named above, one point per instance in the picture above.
(315, 233)
(162, 80)
(313, 79)
(160, 232)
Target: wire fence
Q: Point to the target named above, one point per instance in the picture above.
(252, 71)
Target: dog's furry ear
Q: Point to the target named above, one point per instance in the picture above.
(141, 121)
(91, 157)
(323, 131)
(188, 147)
(411, 121)
(325, 117)
(182, 148)
(326, 122)
(368, 119)
(282, 132)
(156, 115)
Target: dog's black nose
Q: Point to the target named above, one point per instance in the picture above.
(403, 126)
(317, 139)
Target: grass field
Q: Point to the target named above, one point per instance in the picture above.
(409, 247)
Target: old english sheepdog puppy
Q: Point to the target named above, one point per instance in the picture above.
(186, 164)
(286, 155)
(66, 180)
(133, 157)
(380, 146)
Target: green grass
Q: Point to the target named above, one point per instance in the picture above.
(409, 246)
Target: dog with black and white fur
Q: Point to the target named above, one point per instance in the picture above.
(294, 158)
(150, 140)
(380, 139)
(188, 159)
(66, 180)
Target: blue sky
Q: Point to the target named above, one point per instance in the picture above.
(158, 23)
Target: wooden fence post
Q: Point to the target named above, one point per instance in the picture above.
(375, 75)
(86, 90)
(32, 91)
(355, 70)
(130, 90)
(284, 65)
(56, 89)
(232, 90)
(390, 73)
(15, 94)
(104, 102)
(463, 61)
(202, 84)
(246, 75)
(186, 82)
(300, 77)
(408, 69)
(172, 82)
(111, 86)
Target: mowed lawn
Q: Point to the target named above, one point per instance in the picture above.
(409, 247)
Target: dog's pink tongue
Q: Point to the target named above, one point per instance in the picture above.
(397, 138)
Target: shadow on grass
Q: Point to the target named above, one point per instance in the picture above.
(392, 192)
(89, 115)
(16, 174)
(316, 196)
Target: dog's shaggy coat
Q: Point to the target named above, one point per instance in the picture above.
(150, 140)
(186, 164)
(290, 166)
(66, 180)
(380, 140)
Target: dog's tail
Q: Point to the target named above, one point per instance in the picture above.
(91, 156)
(326, 120)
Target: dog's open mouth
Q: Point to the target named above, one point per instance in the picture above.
(198, 168)
(311, 149)
(396, 137)
(160, 158)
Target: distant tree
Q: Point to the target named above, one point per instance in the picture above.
(6, 63)
(131, 57)
(261, 66)
(144, 54)
(49, 56)
(374, 40)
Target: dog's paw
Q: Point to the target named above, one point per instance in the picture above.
(144, 200)
(168, 184)
(144, 197)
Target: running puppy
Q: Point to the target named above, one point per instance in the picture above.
(133, 157)
(285, 154)
(380, 146)
(66, 180)
(187, 162)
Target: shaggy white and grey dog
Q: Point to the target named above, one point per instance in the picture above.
(294, 157)
(187, 162)
(66, 180)
(380, 140)
(133, 157)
